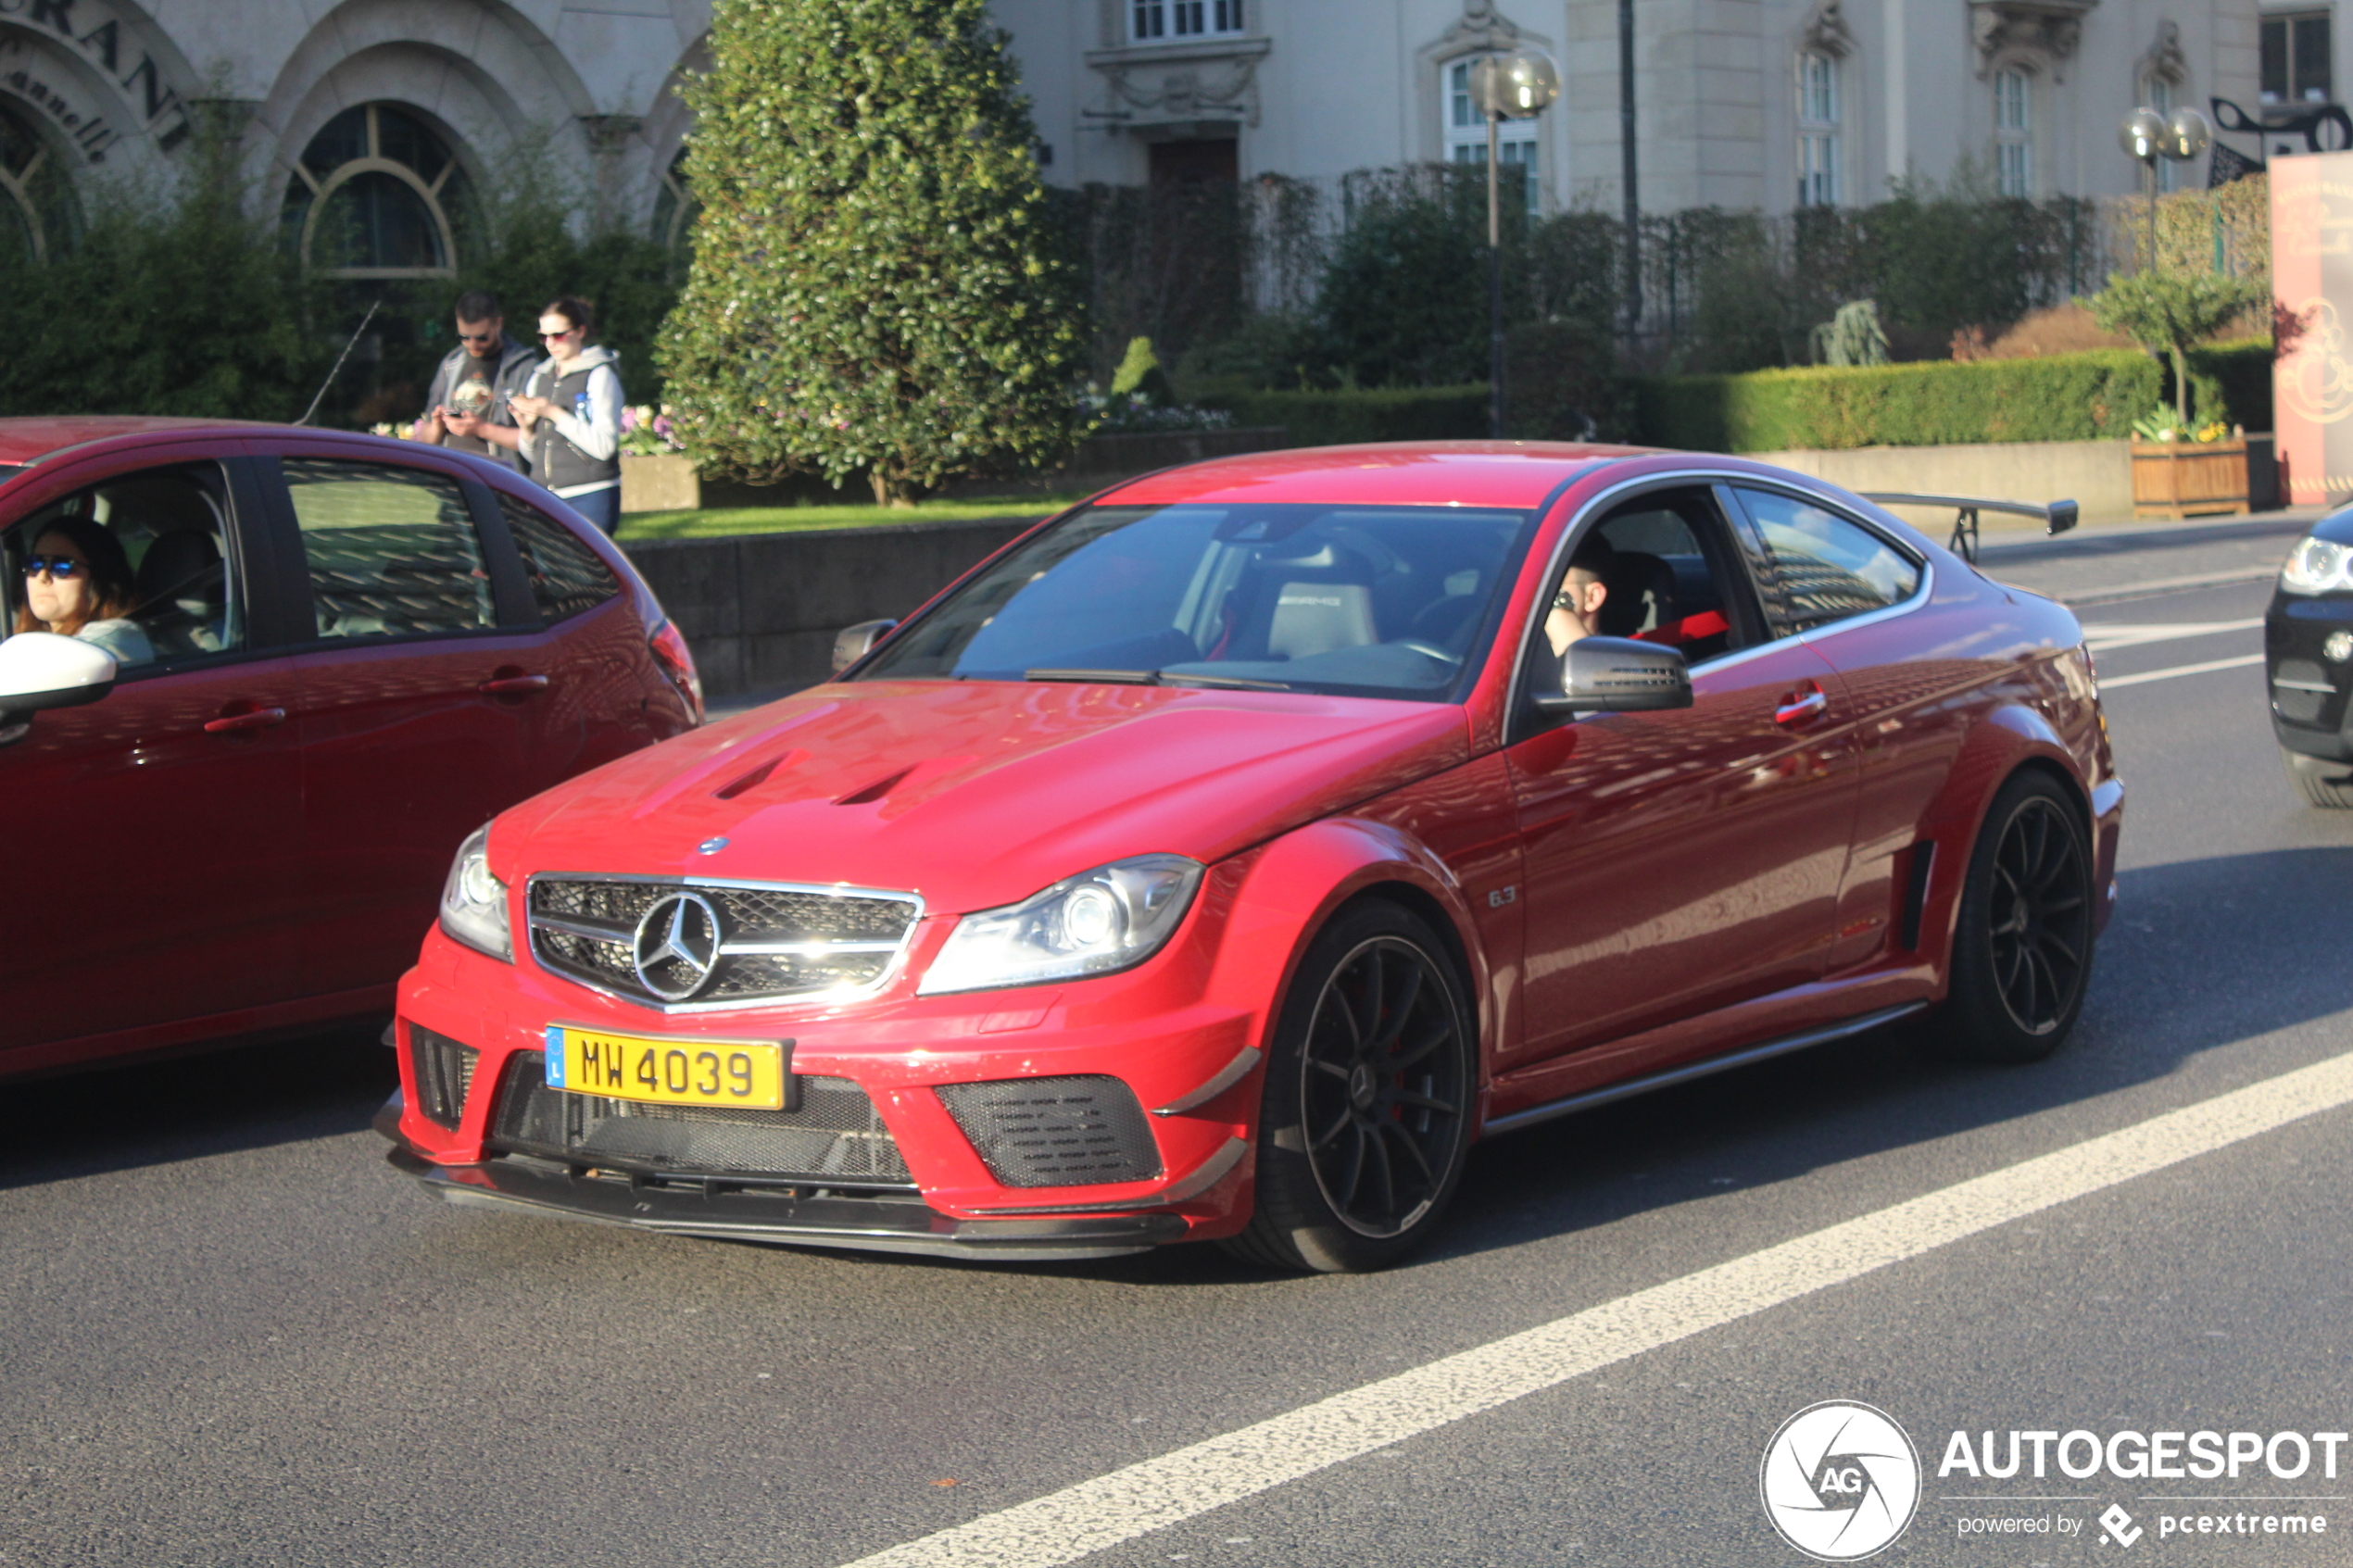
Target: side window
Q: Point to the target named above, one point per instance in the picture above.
(567, 577)
(1659, 568)
(141, 564)
(1830, 567)
(392, 551)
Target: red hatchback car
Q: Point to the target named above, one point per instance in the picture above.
(338, 657)
(1224, 857)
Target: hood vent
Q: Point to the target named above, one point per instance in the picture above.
(754, 779)
(875, 791)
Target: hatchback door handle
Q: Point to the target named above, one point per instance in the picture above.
(507, 685)
(251, 718)
(1803, 706)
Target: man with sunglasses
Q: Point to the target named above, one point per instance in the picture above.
(467, 408)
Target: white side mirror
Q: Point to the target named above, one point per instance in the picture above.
(40, 669)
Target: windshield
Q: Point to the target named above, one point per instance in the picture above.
(1359, 601)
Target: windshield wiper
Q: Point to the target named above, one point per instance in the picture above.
(1155, 678)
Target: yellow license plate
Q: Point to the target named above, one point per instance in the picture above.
(753, 1074)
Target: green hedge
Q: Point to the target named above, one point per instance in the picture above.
(2063, 397)
(1323, 419)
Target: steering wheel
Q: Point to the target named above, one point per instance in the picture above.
(1430, 651)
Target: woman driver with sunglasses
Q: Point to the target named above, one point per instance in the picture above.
(76, 583)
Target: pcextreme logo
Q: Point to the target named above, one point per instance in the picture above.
(1840, 1481)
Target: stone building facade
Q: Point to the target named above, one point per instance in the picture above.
(386, 111)
(1742, 103)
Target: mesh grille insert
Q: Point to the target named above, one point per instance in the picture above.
(845, 940)
(445, 1072)
(834, 1139)
(1056, 1132)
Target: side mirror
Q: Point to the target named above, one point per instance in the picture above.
(855, 642)
(1619, 675)
(2059, 516)
(40, 669)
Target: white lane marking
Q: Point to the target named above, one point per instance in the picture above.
(2166, 584)
(2104, 634)
(1094, 1515)
(2109, 684)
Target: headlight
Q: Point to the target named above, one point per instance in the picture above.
(2318, 565)
(473, 903)
(1092, 923)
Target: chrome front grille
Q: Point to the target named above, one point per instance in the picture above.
(689, 945)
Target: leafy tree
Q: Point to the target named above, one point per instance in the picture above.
(1405, 297)
(874, 282)
(2170, 311)
(168, 301)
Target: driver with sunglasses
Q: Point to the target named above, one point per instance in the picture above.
(78, 583)
(467, 406)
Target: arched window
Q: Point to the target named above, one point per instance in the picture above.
(1817, 125)
(30, 194)
(2013, 133)
(373, 198)
(675, 205)
(1466, 132)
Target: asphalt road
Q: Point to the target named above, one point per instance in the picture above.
(229, 1334)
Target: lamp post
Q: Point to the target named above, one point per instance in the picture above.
(1517, 86)
(2148, 135)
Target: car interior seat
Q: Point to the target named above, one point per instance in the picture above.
(1322, 603)
(179, 594)
(1641, 597)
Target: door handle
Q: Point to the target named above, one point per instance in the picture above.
(251, 718)
(1803, 706)
(509, 685)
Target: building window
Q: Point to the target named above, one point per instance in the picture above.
(675, 205)
(1467, 134)
(1154, 21)
(2013, 134)
(23, 159)
(2296, 59)
(373, 197)
(1817, 181)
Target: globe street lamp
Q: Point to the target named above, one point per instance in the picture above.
(1517, 86)
(2148, 135)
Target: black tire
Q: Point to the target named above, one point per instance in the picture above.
(2322, 783)
(2023, 942)
(1366, 1118)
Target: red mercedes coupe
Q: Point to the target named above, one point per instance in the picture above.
(1227, 855)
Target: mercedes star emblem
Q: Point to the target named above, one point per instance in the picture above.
(677, 940)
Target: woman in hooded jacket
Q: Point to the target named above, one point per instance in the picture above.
(570, 415)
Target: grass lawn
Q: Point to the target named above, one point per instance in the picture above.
(712, 522)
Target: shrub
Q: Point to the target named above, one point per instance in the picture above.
(2070, 397)
(169, 303)
(2168, 311)
(1404, 299)
(876, 283)
(1320, 418)
(1561, 383)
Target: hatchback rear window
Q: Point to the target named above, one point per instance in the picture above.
(567, 578)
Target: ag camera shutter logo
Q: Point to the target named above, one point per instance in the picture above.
(1840, 1480)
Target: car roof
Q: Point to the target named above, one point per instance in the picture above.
(1518, 475)
(29, 439)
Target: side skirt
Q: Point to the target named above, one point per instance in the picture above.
(1628, 1089)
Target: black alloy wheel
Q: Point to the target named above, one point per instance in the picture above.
(2023, 946)
(1365, 1116)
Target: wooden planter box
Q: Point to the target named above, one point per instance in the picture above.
(2189, 478)
(665, 483)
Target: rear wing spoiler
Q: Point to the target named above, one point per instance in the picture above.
(2057, 516)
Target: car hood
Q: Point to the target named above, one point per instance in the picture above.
(976, 794)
